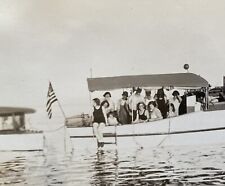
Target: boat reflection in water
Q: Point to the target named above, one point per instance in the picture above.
(105, 168)
(116, 166)
(159, 166)
(12, 172)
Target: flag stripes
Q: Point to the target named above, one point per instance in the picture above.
(51, 98)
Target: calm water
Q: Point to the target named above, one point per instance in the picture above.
(112, 166)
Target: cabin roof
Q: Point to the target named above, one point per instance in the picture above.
(154, 80)
(15, 110)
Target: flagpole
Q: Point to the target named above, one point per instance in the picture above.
(60, 106)
(90, 99)
(64, 115)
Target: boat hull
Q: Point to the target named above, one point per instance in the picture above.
(22, 142)
(197, 128)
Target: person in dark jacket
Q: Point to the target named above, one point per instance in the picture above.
(161, 101)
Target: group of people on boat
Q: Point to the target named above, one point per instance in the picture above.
(133, 108)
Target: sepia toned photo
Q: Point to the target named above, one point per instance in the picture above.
(112, 92)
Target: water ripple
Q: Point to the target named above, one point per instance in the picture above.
(162, 166)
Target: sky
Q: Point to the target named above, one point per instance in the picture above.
(61, 40)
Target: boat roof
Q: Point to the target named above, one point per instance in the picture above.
(154, 80)
(15, 110)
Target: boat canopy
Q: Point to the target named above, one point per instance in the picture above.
(6, 111)
(154, 80)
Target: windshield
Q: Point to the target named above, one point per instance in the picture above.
(12, 122)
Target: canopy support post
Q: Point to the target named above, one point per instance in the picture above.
(132, 109)
(206, 98)
(90, 98)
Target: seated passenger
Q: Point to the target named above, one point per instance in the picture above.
(142, 113)
(112, 120)
(154, 112)
(105, 105)
(107, 97)
(99, 120)
(171, 112)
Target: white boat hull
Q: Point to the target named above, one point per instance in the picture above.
(22, 142)
(197, 128)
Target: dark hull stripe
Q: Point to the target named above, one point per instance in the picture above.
(155, 134)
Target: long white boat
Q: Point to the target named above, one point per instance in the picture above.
(14, 136)
(194, 128)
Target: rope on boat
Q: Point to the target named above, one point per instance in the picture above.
(136, 142)
(167, 134)
(54, 130)
(132, 118)
(46, 131)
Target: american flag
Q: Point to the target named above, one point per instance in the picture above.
(51, 98)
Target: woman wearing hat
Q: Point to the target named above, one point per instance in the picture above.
(122, 109)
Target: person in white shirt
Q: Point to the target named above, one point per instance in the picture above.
(148, 97)
(176, 100)
(112, 120)
(171, 112)
(154, 112)
(134, 99)
(107, 96)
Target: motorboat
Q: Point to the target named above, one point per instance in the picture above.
(196, 127)
(14, 133)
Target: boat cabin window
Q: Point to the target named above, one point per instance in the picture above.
(12, 122)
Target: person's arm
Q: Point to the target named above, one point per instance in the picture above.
(137, 118)
(166, 100)
(116, 121)
(147, 115)
(113, 108)
(179, 99)
(118, 107)
(105, 115)
(92, 116)
(158, 114)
